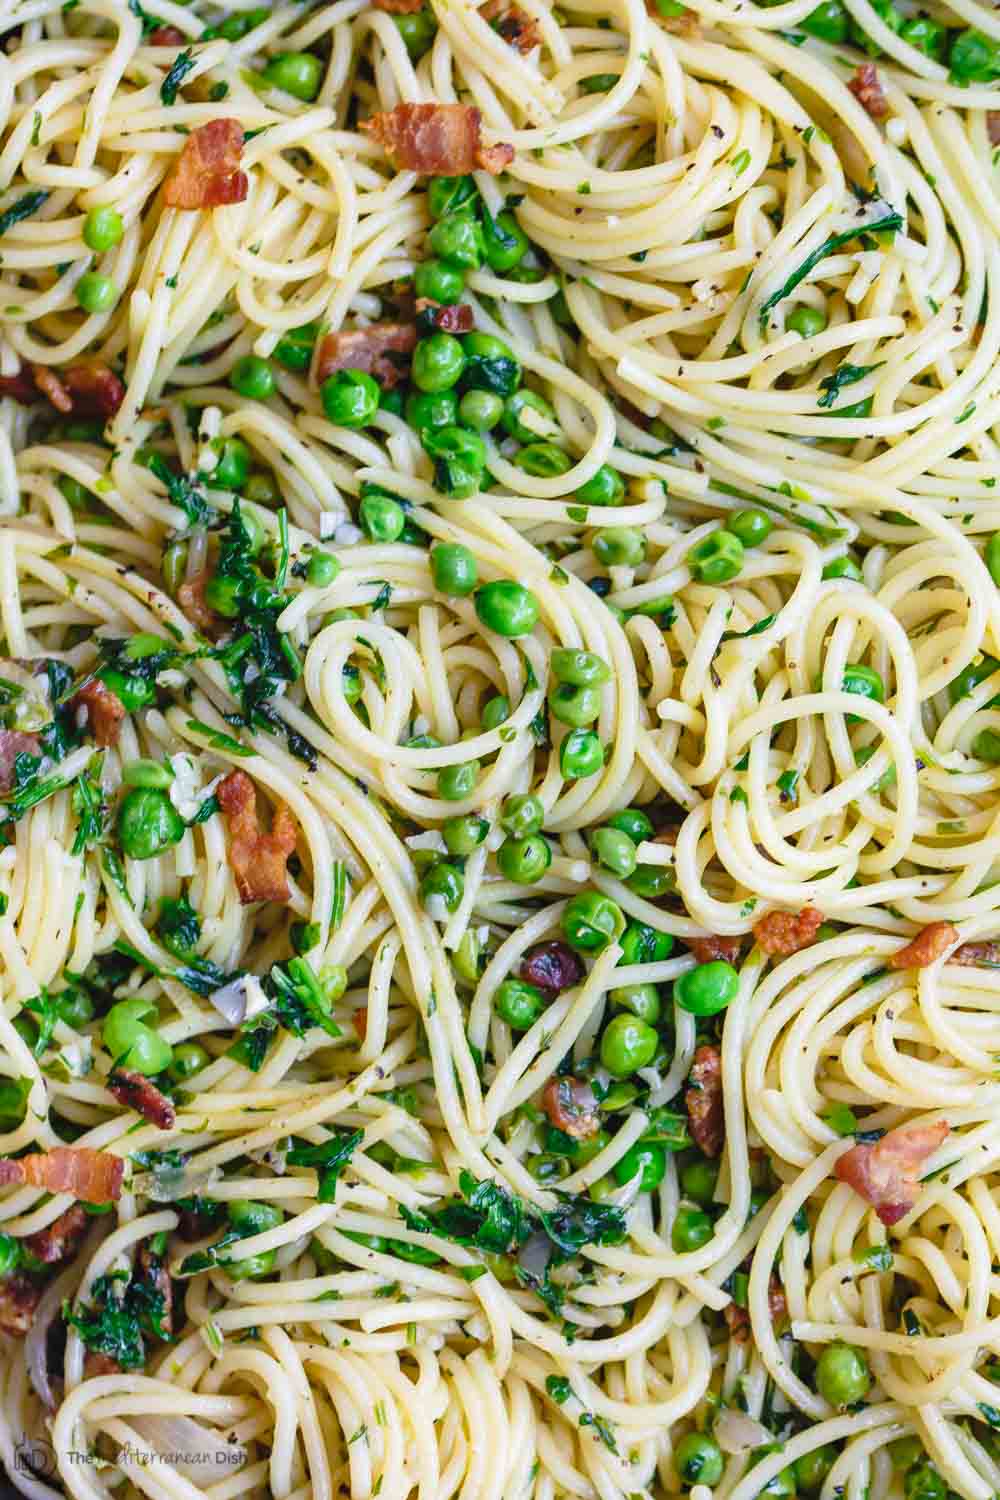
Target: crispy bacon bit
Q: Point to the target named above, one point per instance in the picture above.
(703, 1101)
(553, 967)
(887, 1173)
(738, 1318)
(191, 598)
(359, 1020)
(381, 349)
(207, 172)
(710, 949)
(135, 1091)
(62, 1239)
(686, 24)
(105, 711)
(993, 126)
(571, 1106)
(50, 385)
(95, 389)
(12, 744)
(781, 933)
(165, 36)
(153, 1273)
(436, 139)
(19, 1299)
(926, 947)
(257, 859)
(20, 386)
(511, 22)
(984, 954)
(95, 1363)
(866, 86)
(91, 1176)
(457, 319)
(399, 7)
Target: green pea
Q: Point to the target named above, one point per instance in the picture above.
(780, 1486)
(130, 1042)
(627, 1044)
(634, 822)
(544, 460)
(75, 1007)
(135, 692)
(418, 30)
(971, 676)
(513, 414)
(381, 518)
(974, 58)
(350, 397)
(432, 409)
(906, 1451)
(490, 365)
(496, 711)
(606, 487)
(458, 240)
(262, 490)
(148, 823)
(811, 1468)
(717, 558)
(844, 567)
(459, 459)
(651, 881)
(439, 280)
(153, 773)
(188, 1059)
(645, 1160)
(468, 958)
(295, 349)
(296, 73)
(751, 527)
(707, 988)
(547, 1167)
(251, 1217)
(456, 782)
(698, 1459)
(986, 746)
(619, 547)
(691, 1229)
(580, 754)
(575, 706)
(519, 1003)
(322, 570)
(10, 1253)
(504, 241)
(233, 467)
(524, 860)
(351, 683)
(698, 1180)
(842, 1375)
(480, 410)
(252, 1268)
(807, 321)
(614, 850)
(444, 881)
(643, 1000)
(252, 377)
(645, 945)
(103, 228)
(447, 194)
(830, 22)
(923, 1482)
(591, 921)
(463, 835)
(581, 668)
(521, 816)
(507, 608)
(438, 362)
(453, 568)
(661, 607)
(96, 293)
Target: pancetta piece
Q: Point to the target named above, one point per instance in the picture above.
(94, 388)
(105, 711)
(135, 1091)
(455, 319)
(89, 1175)
(571, 1106)
(703, 1101)
(513, 24)
(866, 86)
(61, 1239)
(781, 933)
(926, 948)
(13, 742)
(436, 139)
(381, 349)
(886, 1173)
(207, 172)
(258, 860)
(711, 949)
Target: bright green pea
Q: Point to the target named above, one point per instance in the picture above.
(928, 36)
(507, 608)
(575, 706)
(459, 459)
(322, 569)
(634, 822)
(233, 467)
(923, 1482)
(645, 945)
(96, 293)
(619, 547)
(418, 30)
(464, 834)
(811, 1468)
(513, 414)
(130, 1042)
(350, 397)
(296, 73)
(490, 365)
(188, 1059)
(698, 1180)
(480, 410)
(842, 1375)
(456, 782)
(438, 362)
(103, 228)
(152, 773)
(717, 558)
(252, 377)
(431, 409)
(651, 881)
(148, 823)
(974, 58)
(522, 815)
(295, 349)
(830, 22)
(453, 568)
(251, 1217)
(75, 1007)
(458, 240)
(986, 746)
(646, 1160)
(262, 490)
(524, 860)
(691, 1229)
(504, 241)
(252, 1268)
(381, 518)
(591, 921)
(581, 668)
(844, 567)
(447, 194)
(444, 881)
(439, 281)
(805, 320)
(580, 754)
(707, 988)
(606, 487)
(468, 958)
(698, 1459)
(496, 711)
(614, 850)
(544, 460)
(751, 527)
(627, 1044)
(643, 1000)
